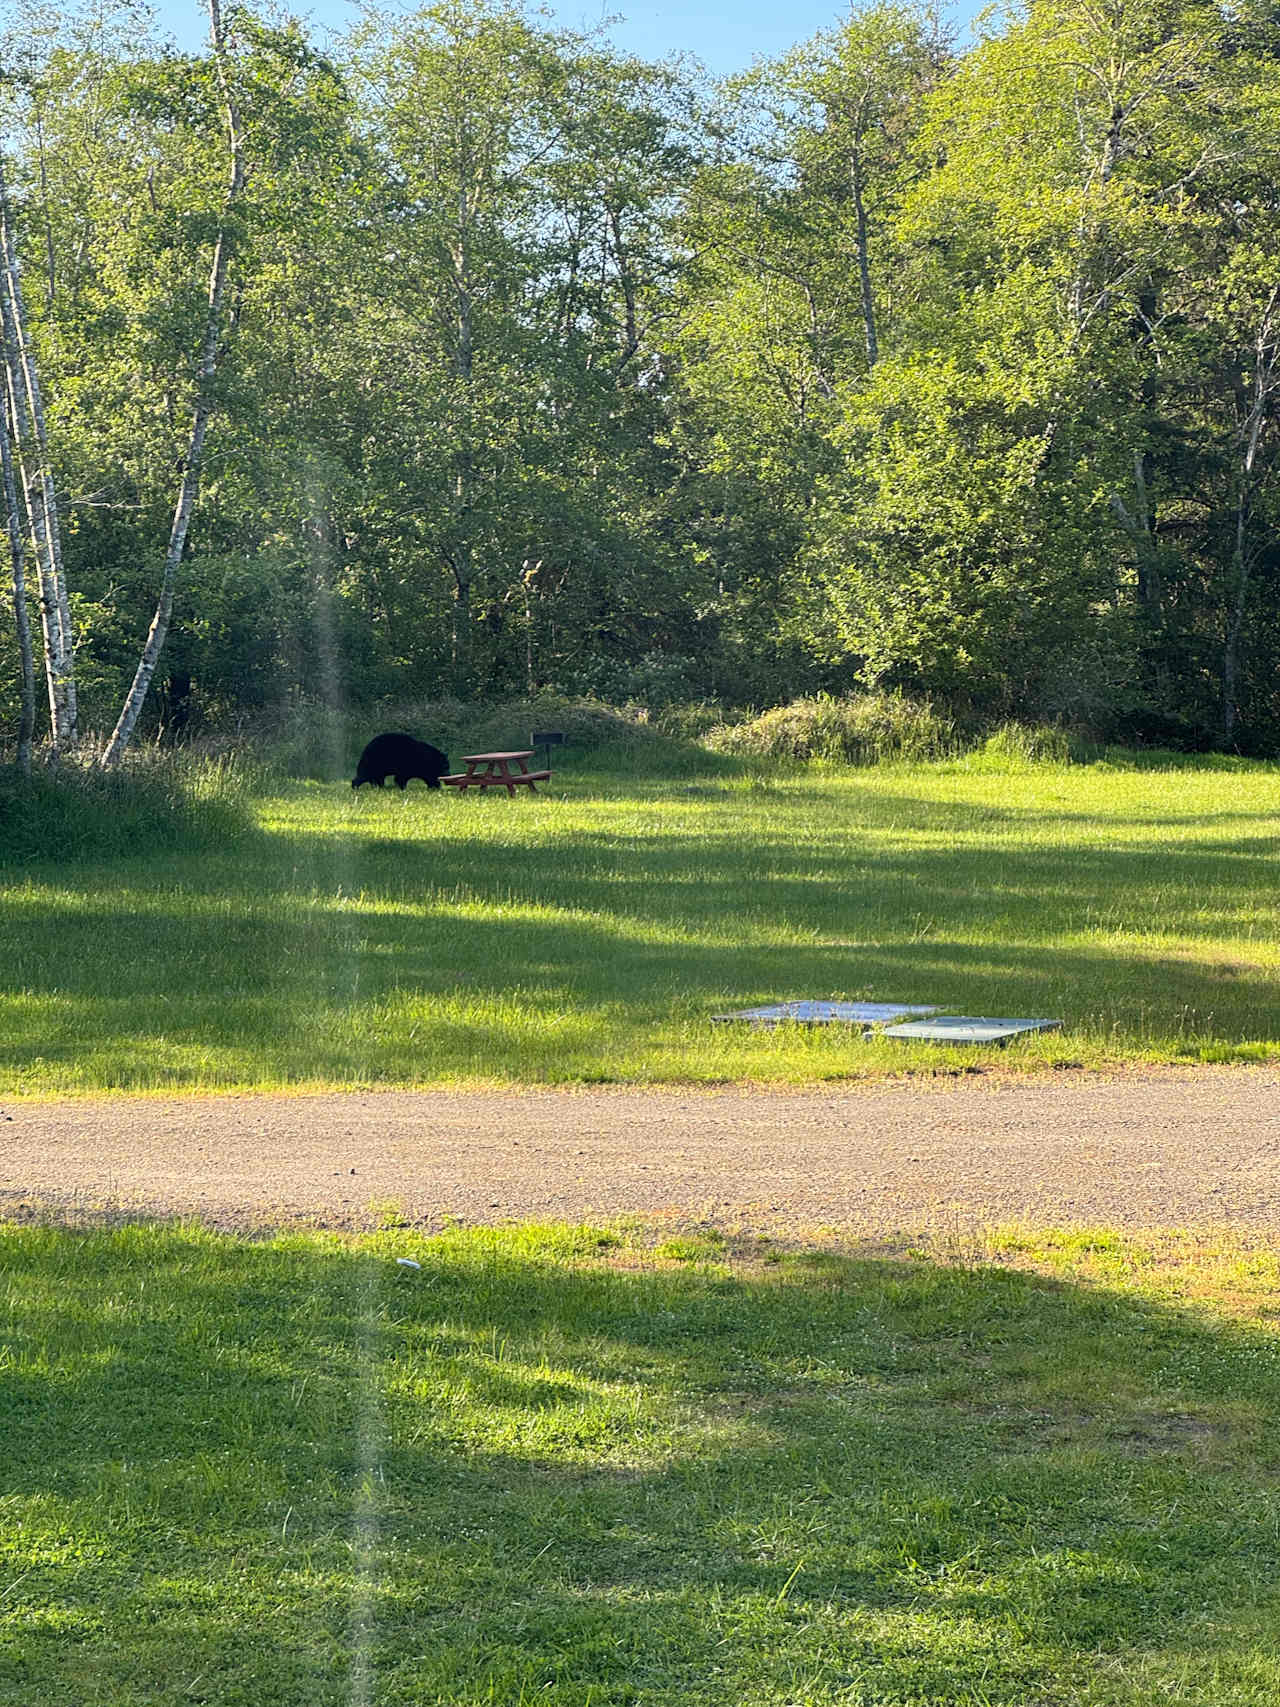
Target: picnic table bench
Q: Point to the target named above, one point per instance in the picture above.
(493, 770)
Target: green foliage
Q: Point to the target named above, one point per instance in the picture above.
(953, 372)
(1030, 744)
(154, 804)
(588, 725)
(944, 562)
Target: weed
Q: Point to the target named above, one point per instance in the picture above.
(155, 802)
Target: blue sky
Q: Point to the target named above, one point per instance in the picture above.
(726, 36)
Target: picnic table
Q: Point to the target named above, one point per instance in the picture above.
(493, 770)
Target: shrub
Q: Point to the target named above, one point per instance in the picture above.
(691, 721)
(862, 729)
(1029, 743)
(154, 801)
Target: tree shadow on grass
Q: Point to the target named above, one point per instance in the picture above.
(518, 1473)
(362, 957)
(832, 878)
(562, 998)
(556, 963)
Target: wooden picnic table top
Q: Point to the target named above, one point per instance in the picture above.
(478, 758)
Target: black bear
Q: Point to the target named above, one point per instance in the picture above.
(402, 757)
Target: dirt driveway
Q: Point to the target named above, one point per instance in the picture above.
(1196, 1147)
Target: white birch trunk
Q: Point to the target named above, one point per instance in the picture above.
(189, 489)
(49, 631)
(22, 620)
(38, 488)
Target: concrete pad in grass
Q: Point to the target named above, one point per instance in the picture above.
(824, 1013)
(964, 1028)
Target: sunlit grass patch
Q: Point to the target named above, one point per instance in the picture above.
(572, 1464)
(589, 933)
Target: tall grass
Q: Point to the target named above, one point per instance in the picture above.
(322, 742)
(861, 729)
(156, 801)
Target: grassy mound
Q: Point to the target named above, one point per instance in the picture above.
(862, 729)
(881, 728)
(324, 742)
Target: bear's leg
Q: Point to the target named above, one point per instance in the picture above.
(402, 782)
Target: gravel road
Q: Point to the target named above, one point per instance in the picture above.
(1197, 1147)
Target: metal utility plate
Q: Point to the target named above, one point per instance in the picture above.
(962, 1028)
(824, 1013)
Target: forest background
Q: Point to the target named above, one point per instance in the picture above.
(885, 365)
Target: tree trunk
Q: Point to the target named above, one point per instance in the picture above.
(50, 635)
(22, 621)
(1150, 581)
(630, 321)
(460, 563)
(864, 272)
(460, 554)
(1231, 649)
(1137, 523)
(1266, 386)
(40, 492)
(156, 634)
(1239, 587)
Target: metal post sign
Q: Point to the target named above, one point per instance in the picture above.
(546, 739)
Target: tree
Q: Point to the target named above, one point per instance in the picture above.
(513, 397)
(793, 295)
(22, 621)
(1081, 289)
(154, 186)
(29, 450)
(261, 79)
(204, 393)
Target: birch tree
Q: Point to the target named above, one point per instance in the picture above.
(21, 617)
(204, 402)
(29, 449)
(275, 101)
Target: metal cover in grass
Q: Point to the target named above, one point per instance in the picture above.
(963, 1028)
(824, 1013)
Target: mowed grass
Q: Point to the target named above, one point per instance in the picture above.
(588, 933)
(561, 1466)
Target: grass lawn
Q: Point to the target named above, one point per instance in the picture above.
(588, 933)
(561, 1466)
